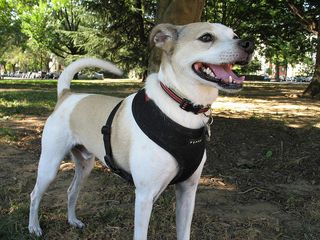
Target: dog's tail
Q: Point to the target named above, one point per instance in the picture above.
(68, 73)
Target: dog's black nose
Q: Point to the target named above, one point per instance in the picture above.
(247, 46)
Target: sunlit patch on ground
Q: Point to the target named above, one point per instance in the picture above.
(216, 183)
(66, 166)
(286, 107)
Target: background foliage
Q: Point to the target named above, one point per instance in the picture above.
(32, 31)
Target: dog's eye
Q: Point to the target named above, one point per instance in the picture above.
(235, 37)
(206, 38)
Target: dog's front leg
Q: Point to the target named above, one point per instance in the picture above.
(152, 169)
(146, 195)
(143, 208)
(185, 194)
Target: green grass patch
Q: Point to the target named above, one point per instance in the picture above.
(26, 103)
(14, 210)
(7, 134)
(13, 222)
(23, 84)
(38, 97)
(98, 86)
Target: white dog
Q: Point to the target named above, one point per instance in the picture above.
(196, 63)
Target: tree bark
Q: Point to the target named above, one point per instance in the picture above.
(178, 12)
(313, 89)
(140, 21)
(277, 68)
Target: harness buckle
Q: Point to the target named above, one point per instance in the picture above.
(187, 105)
(106, 130)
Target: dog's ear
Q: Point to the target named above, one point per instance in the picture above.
(164, 36)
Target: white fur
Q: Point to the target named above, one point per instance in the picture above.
(68, 73)
(151, 167)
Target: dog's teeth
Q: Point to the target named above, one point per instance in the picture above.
(230, 79)
(209, 72)
(212, 74)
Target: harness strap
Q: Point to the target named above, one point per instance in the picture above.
(106, 131)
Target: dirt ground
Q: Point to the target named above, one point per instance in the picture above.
(261, 179)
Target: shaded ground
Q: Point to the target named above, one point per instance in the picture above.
(261, 180)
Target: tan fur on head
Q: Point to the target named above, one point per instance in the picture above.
(164, 36)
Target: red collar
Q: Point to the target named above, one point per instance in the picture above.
(184, 103)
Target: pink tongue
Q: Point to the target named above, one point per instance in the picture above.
(224, 71)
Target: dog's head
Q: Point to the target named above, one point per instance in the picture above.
(204, 52)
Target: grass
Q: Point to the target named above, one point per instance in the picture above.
(38, 97)
(7, 134)
(26, 103)
(13, 209)
(108, 86)
(261, 180)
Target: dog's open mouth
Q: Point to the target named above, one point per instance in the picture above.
(219, 74)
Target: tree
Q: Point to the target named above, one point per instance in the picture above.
(307, 14)
(118, 30)
(134, 19)
(177, 12)
(10, 30)
(280, 38)
(121, 34)
(52, 26)
(253, 67)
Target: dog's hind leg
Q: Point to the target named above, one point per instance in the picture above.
(56, 144)
(84, 162)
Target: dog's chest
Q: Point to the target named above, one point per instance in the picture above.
(184, 144)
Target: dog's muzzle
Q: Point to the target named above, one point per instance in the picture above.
(247, 46)
(222, 74)
(219, 74)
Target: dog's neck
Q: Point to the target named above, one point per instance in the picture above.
(197, 93)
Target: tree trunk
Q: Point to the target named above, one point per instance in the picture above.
(312, 25)
(286, 70)
(277, 68)
(313, 89)
(178, 12)
(140, 22)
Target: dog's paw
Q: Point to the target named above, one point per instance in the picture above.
(76, 223)
(36, 230)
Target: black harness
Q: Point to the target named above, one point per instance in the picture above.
(186, 145)
(106, 131)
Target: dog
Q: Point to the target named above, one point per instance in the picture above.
(196, 63)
